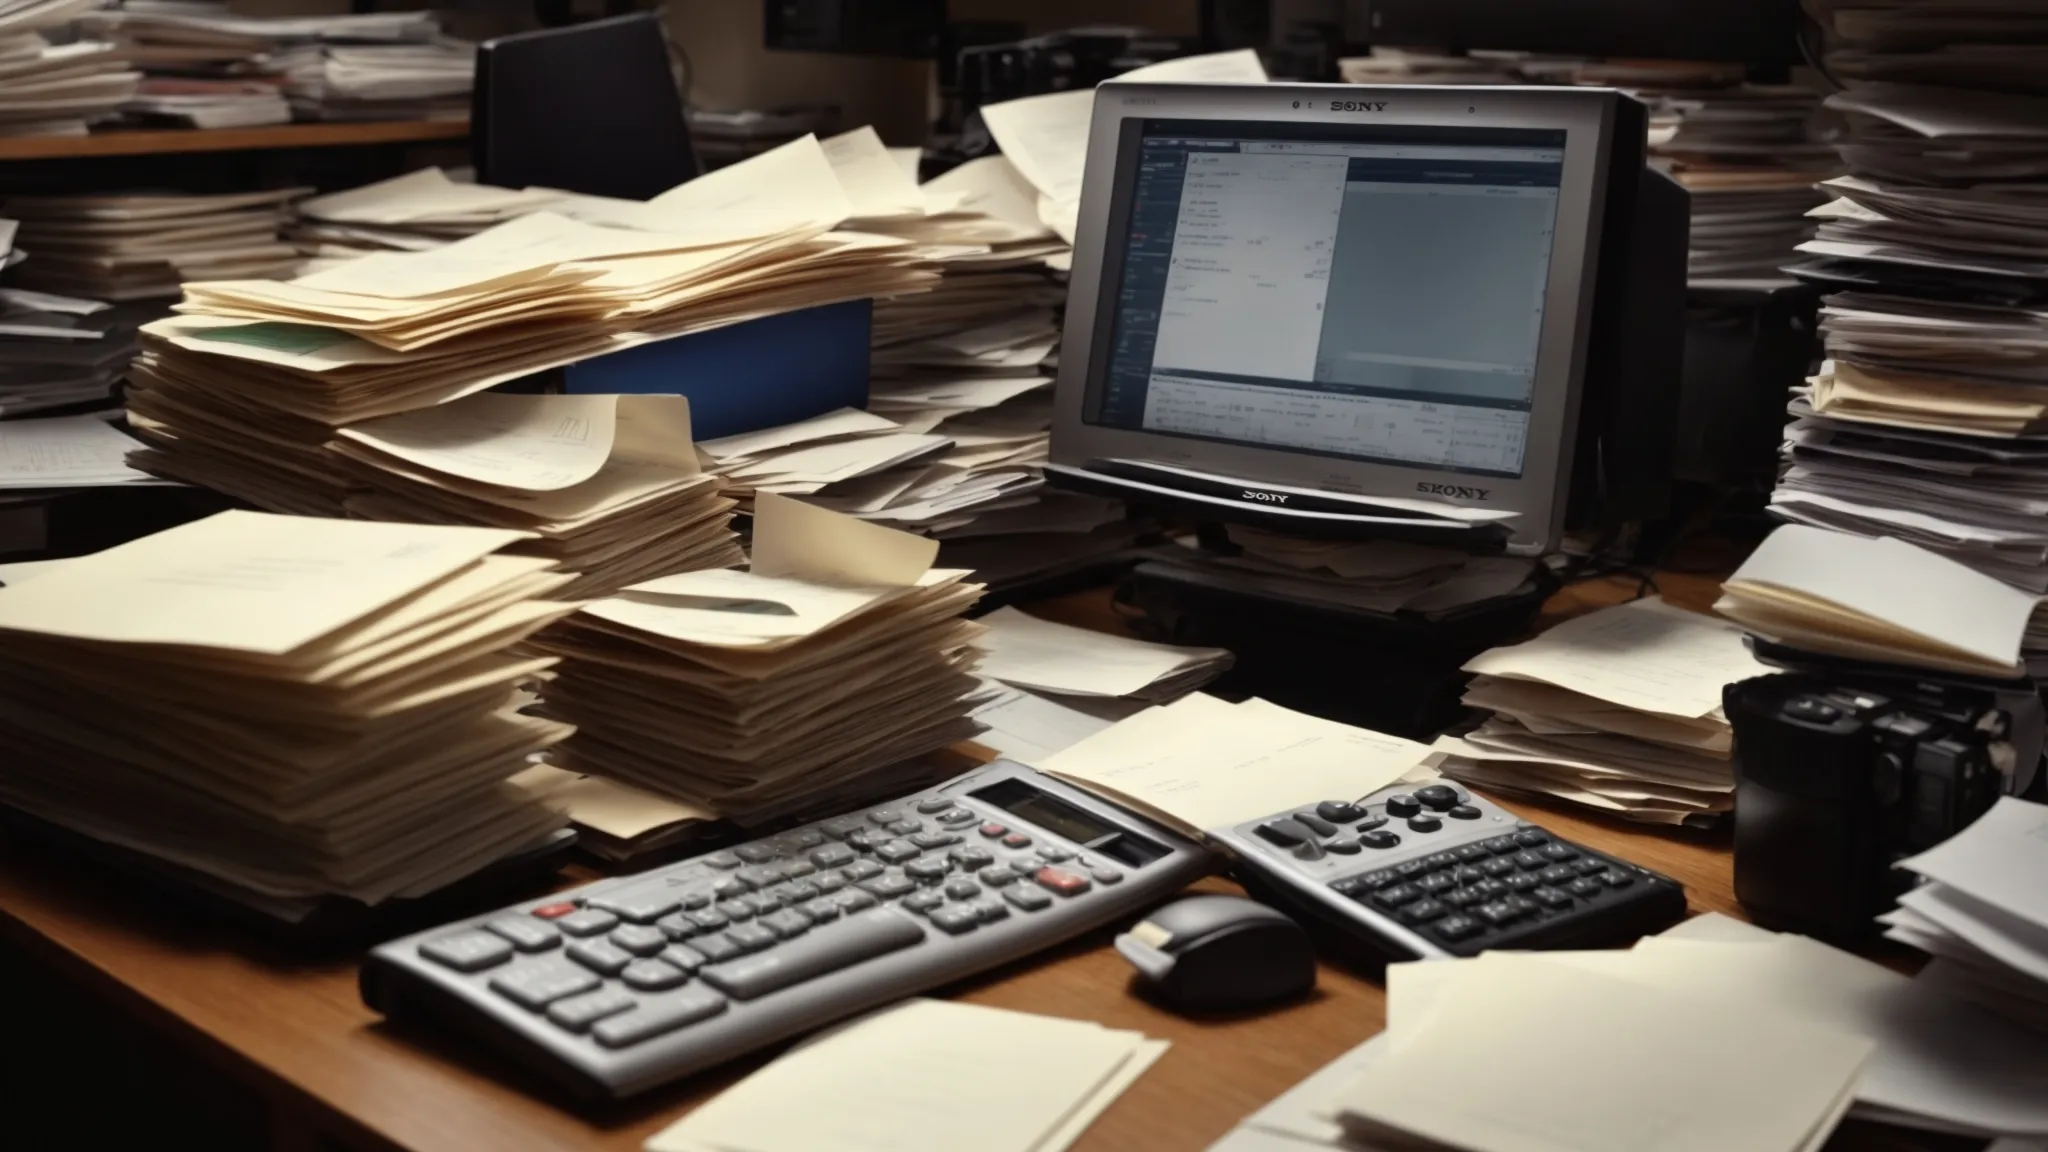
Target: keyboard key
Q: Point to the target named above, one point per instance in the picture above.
(1397, 895)
(640, 939)
(682, 957)
(1584, 886)
(1467, 875)
(822, 909)
(1436, 882)
(1560, 852)
(677, 926)
(1403, 805)
(993, 831)
(701, 898)
(840, 827)
(897, 851)
(929, 870)
(1556, 874)
(1370, 823)
(736, 909)
(555, 911)
(716, 948)
(1474, 853)
(587, 922)
(1591, 867)
(962, 889)
(1424, 823)
(657, 1018)
(1437, 860)
(1016, 840)
(757, 853)
(884, 816)
(802, 838)
(955, 919)
(1055, 854)
(731, 888)
(1438, 797)
(890, 886)
(1522, 882)
(526, 933)
(854, 900)
(1105, 875)
(536, 985)
(1531, 838)
(1284, 833)
(788, 923)
(996, 877)
(1423, 911)
(1530, 861)
(1344, 847)
(1491, 889)
(1452, 929)
(471, 951)
(578, 1013)
(922, 902)
(796, 868)
(1026, 865)
(653, 976)
(1410, 869)
(1373, 881)
(834, 856)
(642, 905)
(760, 875)
(600, 956)
(970, 857)
(1551, 898)
(800, 892)
(752, 937)
(957, 818)
(1499, 912)
(1379, 838)
(763, 902)
(723, 861)
(1500, 867)
(869, 839)
(1340, 811)
(1027, 898)
(1502, 845)
(709, 920)
(829, 882)
(1315, 824)
(988, 910)
(1464, 812)
(826, 949)
(1313, 850)
(907, 827)
(931, 840)
(1617, 879)
(861, 870)
(1061, 881)
(933, 805)
(1462, 898)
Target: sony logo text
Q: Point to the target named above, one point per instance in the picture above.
(1358, 105)
(1266, 497)
(1453, 491)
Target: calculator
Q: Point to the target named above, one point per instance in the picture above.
(1435, 871)
(618, 986)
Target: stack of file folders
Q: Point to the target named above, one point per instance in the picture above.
(61, 351)
(417, 212)
(1928, 421)
(332, 81)
(1981, 914)
(51, 89)
(1618, 710)
(291, 709)
(608, 485)
(809, 684)
(144, 245)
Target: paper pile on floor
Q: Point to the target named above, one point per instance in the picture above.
(140, 246)
(960, 1075)
(802, 687)
(293, 708)
(608, 485)
(1712, 1011)
(56, 89)
(1618, 710)
(1983, 916)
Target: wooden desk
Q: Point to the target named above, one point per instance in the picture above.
(334, 1076)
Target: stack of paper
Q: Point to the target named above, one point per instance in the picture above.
(957, 1076)
(1926, 1060)
(1883, 600)
(1996, 45)
(1377, 576)
(609, 485)
(1201, 765)
(1026, 652)
(336, 81)
(56, 89)
(66, 452)
(800, 687)
(60, 351)
(1618, 710)
(296, 708)
(1926, 421)
(201, 103)
(417, 212)
(144, 245)
(1983, 916)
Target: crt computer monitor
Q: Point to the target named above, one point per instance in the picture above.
(1346, 311)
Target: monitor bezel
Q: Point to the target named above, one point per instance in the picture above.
(1539, 496)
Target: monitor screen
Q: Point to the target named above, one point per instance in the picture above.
(1373, 293)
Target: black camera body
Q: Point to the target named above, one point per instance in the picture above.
(1834, 784)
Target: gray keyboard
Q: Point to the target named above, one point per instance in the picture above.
(624, 984)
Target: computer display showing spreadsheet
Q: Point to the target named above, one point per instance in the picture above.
(1371, 293)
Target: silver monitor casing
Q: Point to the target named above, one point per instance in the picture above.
(1539, 495)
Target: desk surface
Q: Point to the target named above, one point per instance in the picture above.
(302, 1036)
(169, 141)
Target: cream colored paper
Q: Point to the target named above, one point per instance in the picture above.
(800, 541)
(1644, 655)
(792, 184)
(1024, 650)
(871, 178)
(844, 422)
(540, 443)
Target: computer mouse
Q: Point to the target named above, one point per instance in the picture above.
(1219, 954)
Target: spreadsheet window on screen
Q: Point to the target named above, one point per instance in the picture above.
(1375, 295)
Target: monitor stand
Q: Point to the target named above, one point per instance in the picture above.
(1396, 672)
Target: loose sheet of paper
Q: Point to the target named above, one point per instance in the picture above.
(787, 186)
(2000, 859)
(1644, 655)
(801, 541)
(1029, 728)
(65, 452)
(1024, 650)
(540, 443)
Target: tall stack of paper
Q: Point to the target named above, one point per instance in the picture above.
(294, 708)
(1926, 421)
(1881, 600)
(1016, 1082)
(1618, 710)
(803, 686)
(144, 245)
(1983, 915)
(417, 212)
(1200, 764)
(60, 351)
(56, 89)
(608, 485)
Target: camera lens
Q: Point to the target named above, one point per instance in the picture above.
(1888, 778)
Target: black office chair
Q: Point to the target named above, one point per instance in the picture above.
(591, 108)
